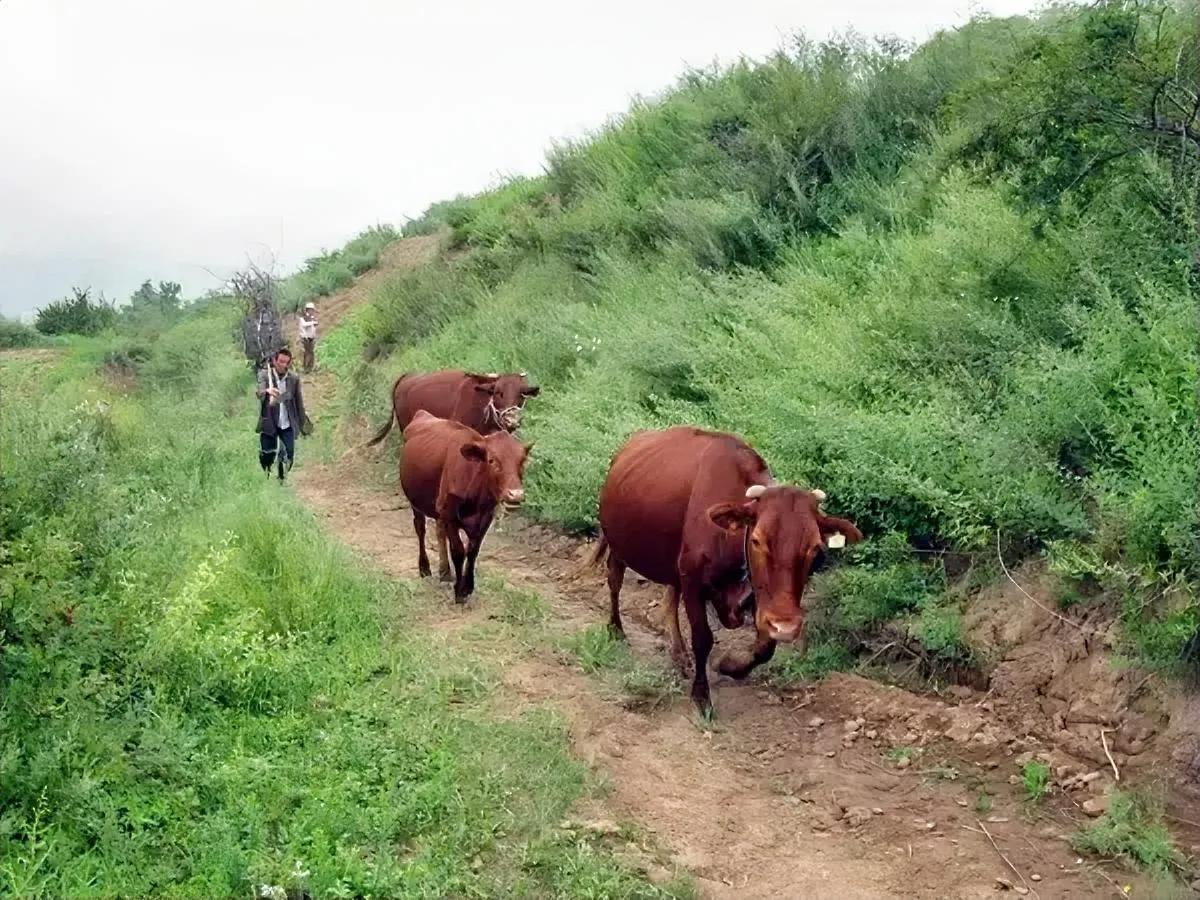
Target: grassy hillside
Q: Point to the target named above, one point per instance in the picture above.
(201, 696)
(955, 287)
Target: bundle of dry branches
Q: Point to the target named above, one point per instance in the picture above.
(262, 326)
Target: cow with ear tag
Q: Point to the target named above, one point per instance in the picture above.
(487, 403)
(698, 512)
(458, 477)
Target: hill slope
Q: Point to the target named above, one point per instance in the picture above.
(955, 288)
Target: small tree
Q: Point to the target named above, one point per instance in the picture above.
(164, 299)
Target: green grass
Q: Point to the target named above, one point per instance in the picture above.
(1132, 830)
(642, 684)
(790, 668)
(522, 608)
(204, 695)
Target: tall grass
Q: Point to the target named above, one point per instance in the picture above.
(848, 255)
(203, 696)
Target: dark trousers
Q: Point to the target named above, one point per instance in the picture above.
(307, 344)
(267, 448)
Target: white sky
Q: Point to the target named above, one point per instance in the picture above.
(160, 138)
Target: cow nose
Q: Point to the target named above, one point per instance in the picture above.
(784, 630)
(515, 497)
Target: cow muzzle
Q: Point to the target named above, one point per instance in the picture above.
(784, 630)
(513, 498)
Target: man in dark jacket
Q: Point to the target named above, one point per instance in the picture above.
(281, 413)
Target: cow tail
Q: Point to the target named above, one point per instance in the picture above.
(600, 553)
(593, 559)
(387, 426)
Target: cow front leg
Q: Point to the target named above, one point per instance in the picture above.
(443, 556)
(422, 556)
(458, 554)
(702, 643)
(473, 544)
(739, 665)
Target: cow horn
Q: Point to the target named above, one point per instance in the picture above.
(755, 491)
(819, 494)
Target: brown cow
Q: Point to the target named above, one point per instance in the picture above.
(486, 403)
(698, 511)
(451, 473)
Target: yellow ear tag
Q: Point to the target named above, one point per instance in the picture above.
(836, 541)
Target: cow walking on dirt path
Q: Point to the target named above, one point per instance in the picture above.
(486, 403)
(699, 512)
(456, 476)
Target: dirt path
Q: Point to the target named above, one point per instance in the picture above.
(796, 793)
(780, 800)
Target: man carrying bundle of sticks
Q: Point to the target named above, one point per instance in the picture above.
(281, 413)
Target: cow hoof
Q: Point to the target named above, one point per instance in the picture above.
(617, 631)
(708, 715)
(424, 571)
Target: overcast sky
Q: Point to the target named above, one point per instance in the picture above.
(164, 138)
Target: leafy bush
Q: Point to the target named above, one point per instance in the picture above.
(16, 334)
(78, 314)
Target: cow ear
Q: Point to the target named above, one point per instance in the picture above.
(831, 525)
(732, 516)
(487, 387)
(532, 391)
(474, 451)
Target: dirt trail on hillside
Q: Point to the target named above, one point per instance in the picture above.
(795, 793)
(398, 256)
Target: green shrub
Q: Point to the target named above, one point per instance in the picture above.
(17, 334)
(77, 314)
(1133, 830)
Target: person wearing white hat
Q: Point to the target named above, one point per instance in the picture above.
(308, 334)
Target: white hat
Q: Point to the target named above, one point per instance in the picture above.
(310, 306)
